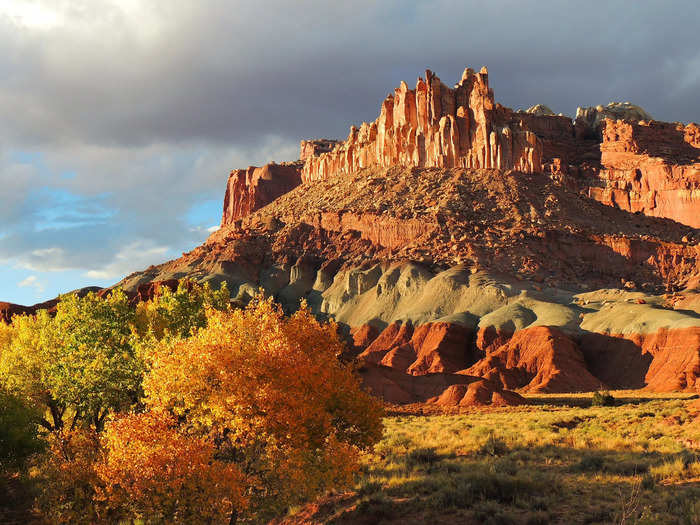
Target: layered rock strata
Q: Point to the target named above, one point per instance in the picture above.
(651, 168)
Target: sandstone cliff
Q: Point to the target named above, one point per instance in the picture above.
(435, 126)
(250, 189)
(616, 154)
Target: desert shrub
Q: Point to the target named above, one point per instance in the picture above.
(376, 507)
(493, 446)
(421, 457)
(505, 466)
(603, 399)
(589, 463)
(367, 488)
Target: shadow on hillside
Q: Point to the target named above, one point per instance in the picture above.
(585, 400)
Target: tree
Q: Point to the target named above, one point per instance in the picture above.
(176, 314)
(153, 471)
(81, 363)
(18, 432)
(271, 393)
(67, 477)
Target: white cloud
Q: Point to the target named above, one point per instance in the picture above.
(32, 282)
(135, 256)
(32, 14)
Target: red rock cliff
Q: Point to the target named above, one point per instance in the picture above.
(651, 167)
(250, 189)
(436, 126)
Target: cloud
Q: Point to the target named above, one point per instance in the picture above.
(135, 256)
(121, 117)
(32, 282)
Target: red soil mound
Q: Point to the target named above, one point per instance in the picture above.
(478, 393)
(399, 388)
(662, 361)
(428, 348)
(539, 359)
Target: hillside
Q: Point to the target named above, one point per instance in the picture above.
(469, 251)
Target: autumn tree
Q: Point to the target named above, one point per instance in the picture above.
(68, 478)
(79, 364)
(177, 313)
(153, 471)
(18, 431)
(271, 393)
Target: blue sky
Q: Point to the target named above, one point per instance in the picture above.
(121, 119)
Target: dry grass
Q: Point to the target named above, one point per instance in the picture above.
(559, 460)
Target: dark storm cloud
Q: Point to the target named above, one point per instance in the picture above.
(153, 105)
(235, 71)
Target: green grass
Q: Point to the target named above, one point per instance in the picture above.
(560, 460)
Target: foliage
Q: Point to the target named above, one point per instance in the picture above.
(80, 363)
(177, 313)
(603, 399)
(67, 477)
(272, 393)
(18, 431)
(245, 411)
(153, 471)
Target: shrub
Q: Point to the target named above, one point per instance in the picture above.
(603, 399)
(493, 447)
(589, 463)
(422, 457)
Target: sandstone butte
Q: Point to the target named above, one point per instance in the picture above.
(608, 151)
(470, 252)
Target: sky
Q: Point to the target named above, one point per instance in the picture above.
(121, 119)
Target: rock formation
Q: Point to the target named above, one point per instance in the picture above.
(652, 168)
(540, 110)
(435, 126)
(250, 189)
(313, 148)
(591, 119)
(468, 251)
(616, 153)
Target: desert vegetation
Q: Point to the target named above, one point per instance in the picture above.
(558, 459)
(179, 409)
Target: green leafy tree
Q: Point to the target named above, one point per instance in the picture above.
(177, 313)
(78, 365)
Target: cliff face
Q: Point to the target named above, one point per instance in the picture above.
(250, 189)
(652, 168)
(435, 126)
(614, 154)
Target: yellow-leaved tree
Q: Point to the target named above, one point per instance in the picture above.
(270, 393)
(78, 365)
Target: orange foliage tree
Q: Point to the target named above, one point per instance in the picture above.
(153, 471)
(269, 391)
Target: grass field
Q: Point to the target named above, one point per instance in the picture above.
(556, 460)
